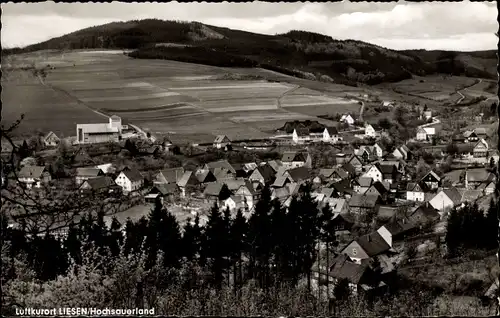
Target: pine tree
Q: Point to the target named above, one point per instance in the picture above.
(99, 234)
(130, 237)
(327, 235)
(214, 238)
(170, 240)
(115, 237)
(294, 239)
(280, 243)
(453, 231)
(72, 243)
(259, 238)
(491, 225)
(226, 224)
(153, 230)
(238, 244)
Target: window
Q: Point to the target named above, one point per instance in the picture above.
(354, 251)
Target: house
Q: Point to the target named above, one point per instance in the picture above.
(51, 140)
(421, 134)
(468, 196)
(445, 200)
(487, 187)
(295, 159)
(341, 221)
(394, 231)
(389, 173)
(378, 189)
(164, 191)
(362, 184)
(130, 180)
(264, 174)
(247, 193)
(81, 158)
(423, 214)
(386, 103)
(365, 153)
(377, 150)
(366, 247)
(475, 177)
(301, 135)
(341, 188)
(415, 191)
(99, 133)
(221, 141)
(348, 119)
(300, 174)
(399, 153)
(331, 134)
(427, 115)
(337, 174)
(432, 180)
(375, 173)
(356, 162)
(275, 164)
(205, 176)
(481, 132)
(430, 132)
(172, 175)
(106, 168)
(83, 174)
(33, 176)
(370, 131)
(104, 184)
(363, 204)
(234, 203)
(480, 149)
(351, 171)
(361, 277)
(217, 191)
(188, 181)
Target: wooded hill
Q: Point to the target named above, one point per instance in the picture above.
(296, 53)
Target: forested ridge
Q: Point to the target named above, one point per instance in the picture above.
(297, 53)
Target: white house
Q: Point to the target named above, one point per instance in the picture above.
(421, 134)
(430, 131)
(331, 134)
(347, 118)
(415, 191)
(221, 141)
(370, 131)
(99, 133)
(445, 200)
(33, 176)
(51, 140)
(428, 115)
(375, 173)
(377, 150)
(301, 135)
(387, 103)
(130, 180)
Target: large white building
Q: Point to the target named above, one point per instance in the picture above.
(98, 133)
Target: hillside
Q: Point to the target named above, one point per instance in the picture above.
(298, 53)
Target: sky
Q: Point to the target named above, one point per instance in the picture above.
(462, 26)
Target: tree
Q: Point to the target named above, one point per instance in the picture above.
(342, 290)
(238, 244)
(425, 108)
(214, 246)
(492, 162)
(384, 123)
(453, 231)
(328, 236)
(491, 225)
(452, 149)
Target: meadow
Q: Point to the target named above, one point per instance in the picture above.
(163, 97)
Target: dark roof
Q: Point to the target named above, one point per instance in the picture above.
(275, 164)
(342, 173)
(188, 178)
(364, 201)
(267, 172)
(427, 210)
(387, 212)
(133, 175)
(327, 173)
(100, 182)
(204, 175)
(387, 169)
(220, 138)
(342, 267)
(373, 244)
(302, 131)
(379, 187)
(332, 130)
(365, 181)
(398, 228)
(349, 168)
(172, 175)
(300, 173)
(342, 187)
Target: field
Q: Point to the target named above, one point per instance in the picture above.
(163, 97)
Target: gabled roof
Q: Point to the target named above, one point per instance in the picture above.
(417, 187)
(133, 175)
(379, 187)
(453, 194)
(327, 173)
(349, 168)
(220, 138)
(342, 268)
(275, 164)
(220, 164)
(433, 175)
(234, 184)
(88, 172)
(51, 135)
(165, 188)
(204, 175)
(302, 132)
(290, 156)
(373, 244)
(31, 172)
(342, 187)
(300, 173)
(480, 131)
(479, 175)
(365, 181)
(354, 157)
(327, 192)
(397, 228)
(363, 201)
(267, 172)
(188, 178)
(336, 204)
(470, 195)
(427, 210)
(332, 130)
(100, 182)
(213, 189)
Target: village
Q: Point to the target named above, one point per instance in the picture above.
(382, 202)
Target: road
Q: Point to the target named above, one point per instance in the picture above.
(361, 111)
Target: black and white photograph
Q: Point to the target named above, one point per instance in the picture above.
(250, 159)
